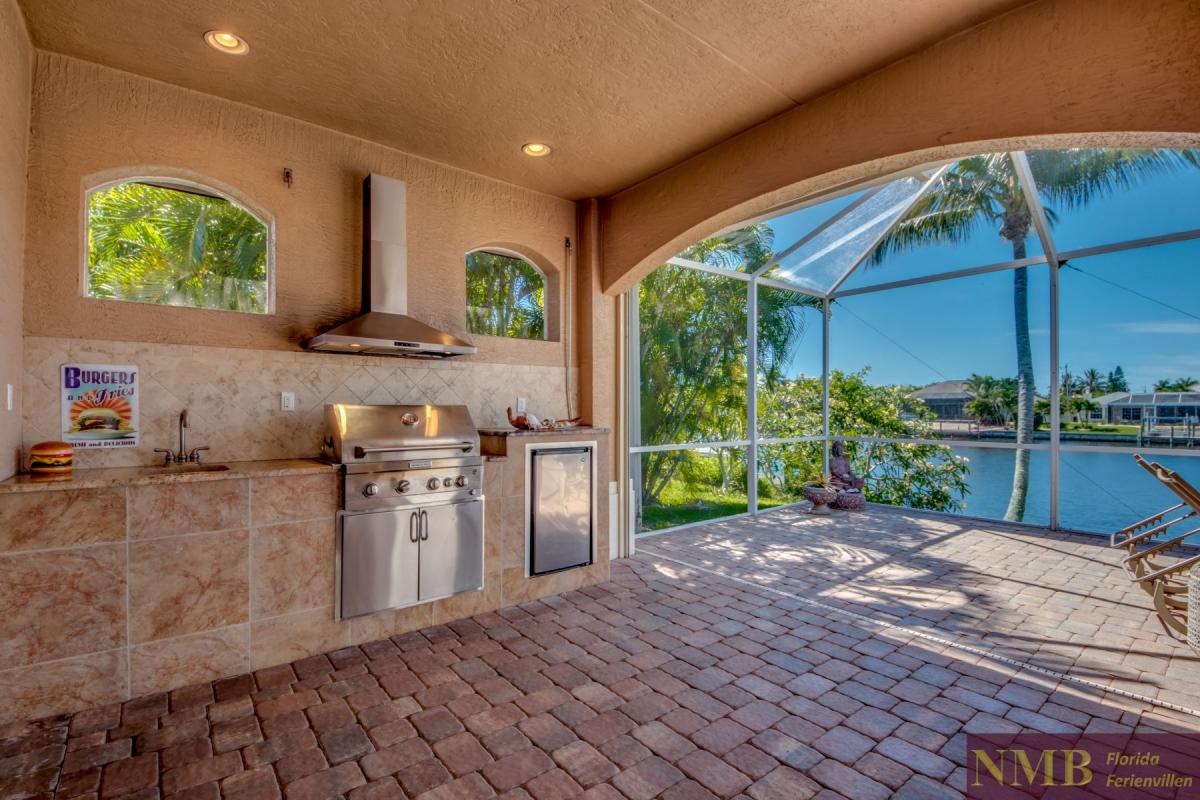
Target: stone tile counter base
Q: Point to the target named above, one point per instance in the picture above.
(122, 583)
(506, 510)
(116, 591)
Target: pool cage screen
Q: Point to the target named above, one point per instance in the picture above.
(850, 238)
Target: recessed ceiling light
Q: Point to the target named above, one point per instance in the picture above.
(227, 42)
(535, 149)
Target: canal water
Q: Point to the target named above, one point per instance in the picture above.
(1100, 492)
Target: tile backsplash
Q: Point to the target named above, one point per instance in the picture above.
(233, 395)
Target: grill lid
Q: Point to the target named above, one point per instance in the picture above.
(356, 434)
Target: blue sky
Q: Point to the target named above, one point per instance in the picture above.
(949, 329)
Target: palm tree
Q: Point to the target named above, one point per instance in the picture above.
(175, 246)
(1080, 406)
(1175, 385)
(1092, 382)
(983, 192)
(994, 399)
(1068, 384)
(506, 296)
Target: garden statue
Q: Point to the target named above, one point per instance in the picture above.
(848, 485)
(841, 474)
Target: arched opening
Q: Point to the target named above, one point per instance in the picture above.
(509, 295)
(168, 240)
(990, 336)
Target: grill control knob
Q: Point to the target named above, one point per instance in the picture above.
(434, 483)
(460, 481)
(447, 482)
(371, 489)
(403, 486)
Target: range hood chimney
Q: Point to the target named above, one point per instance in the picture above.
(384, 328)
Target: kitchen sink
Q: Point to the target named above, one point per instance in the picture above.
(190, 468)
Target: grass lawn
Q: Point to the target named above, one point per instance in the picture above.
(681, 505)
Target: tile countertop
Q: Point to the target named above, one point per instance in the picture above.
(578, 430)
(98, 478)
(140, 476)
(493, 442)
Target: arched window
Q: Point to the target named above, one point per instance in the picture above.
(173, 242)
(506, 296)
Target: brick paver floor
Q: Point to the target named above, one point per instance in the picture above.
(1055, 600)
(667, 681)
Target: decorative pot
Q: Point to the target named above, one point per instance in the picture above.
(820, 497)
(850, 501)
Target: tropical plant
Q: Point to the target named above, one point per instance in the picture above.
(1116, 381)
(984, 192)
(506, 296)
(175, 246)
(1175, 385)
(993, 399)
(1080, 407)
(693, 352)
(914, 475)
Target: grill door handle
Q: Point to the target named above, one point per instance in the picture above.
(424, 527)
(413, 535)
(362, 452)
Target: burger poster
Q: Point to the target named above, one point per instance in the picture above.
(100, 405)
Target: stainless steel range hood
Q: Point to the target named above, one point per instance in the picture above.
(384, 328)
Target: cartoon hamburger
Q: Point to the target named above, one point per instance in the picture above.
(50, 458)
(98, 419)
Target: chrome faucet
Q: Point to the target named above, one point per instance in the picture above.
(183, 455)
(184, 424)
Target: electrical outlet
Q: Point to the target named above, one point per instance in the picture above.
(520, 405)
(287, 401)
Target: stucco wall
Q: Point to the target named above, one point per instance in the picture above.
(1056, 68)
(15, 69)
(89, 120)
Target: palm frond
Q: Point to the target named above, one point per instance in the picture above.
(505, 296)
(972, 193)
(1073, 178)
(152, 243)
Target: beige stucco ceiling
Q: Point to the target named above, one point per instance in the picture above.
(621, 89)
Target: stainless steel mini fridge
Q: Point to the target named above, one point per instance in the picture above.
(560, 509)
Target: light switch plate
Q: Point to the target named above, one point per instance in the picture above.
(520, 405)
(287, 401)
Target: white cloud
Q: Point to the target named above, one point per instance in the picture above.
(1167, 328)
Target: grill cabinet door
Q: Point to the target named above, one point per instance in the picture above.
(379, 561)
(451, 549)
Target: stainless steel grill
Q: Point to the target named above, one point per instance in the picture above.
(410, 529)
